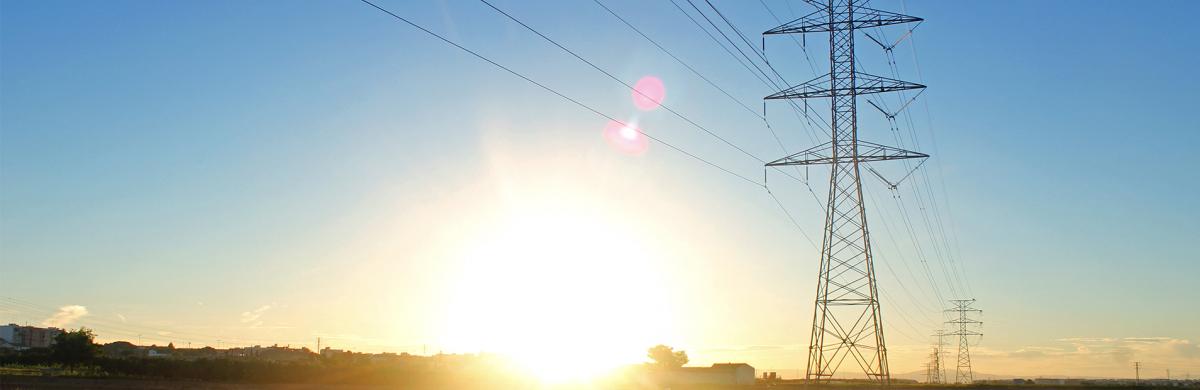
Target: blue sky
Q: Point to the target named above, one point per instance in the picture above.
(183, 164)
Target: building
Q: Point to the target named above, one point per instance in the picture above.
(22, 337)
(717, 374)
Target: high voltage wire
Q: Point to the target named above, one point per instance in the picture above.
(664, 106)
(904, 261)
(934, 226)
(769, 82)
(722, 45)
(749, 45)
(946, 239)
(677, 59)
(933, 140)
(622, 82)
(591, 109)
(556, 93)
(714, 85)
(795, 108)
(803, 48)
(693, 70)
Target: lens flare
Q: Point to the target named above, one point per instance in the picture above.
(648, 93)
(626, 138)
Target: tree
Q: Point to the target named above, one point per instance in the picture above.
(667, 357)
(75, 347)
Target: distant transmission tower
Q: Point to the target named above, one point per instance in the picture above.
(846, 319)
(933, 373)
(940, 348)
(963, 374)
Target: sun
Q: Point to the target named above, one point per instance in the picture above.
(567, 294)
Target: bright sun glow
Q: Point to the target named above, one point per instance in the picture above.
(626, 137)
(567, 294)
(628, 132)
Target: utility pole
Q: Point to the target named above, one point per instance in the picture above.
(964, 374)
(1137, 373)
(846, 318)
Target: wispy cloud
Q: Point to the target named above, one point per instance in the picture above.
(122, 318)
(65, 316)
(1088, 340)
(251, 317)
(1091, 356)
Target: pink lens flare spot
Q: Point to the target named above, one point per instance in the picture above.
(648, 93)
(626, 138)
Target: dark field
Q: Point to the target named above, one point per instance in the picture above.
(24, 382)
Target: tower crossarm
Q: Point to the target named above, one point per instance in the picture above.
(864, 17)
(865, 84)
(867, 151)
(964, 333)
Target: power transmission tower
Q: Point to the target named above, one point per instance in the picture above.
(1137, 373)
(846, 317)
(933, 372)
(941, 357)
(963, 373)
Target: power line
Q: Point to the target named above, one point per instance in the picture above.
(556, 93)
(677, 59)
(693, 70)
(749, 45)
(593, 110)
(933, 226)
(768, 81)
(619, 81)
(622, 82)
(933, 141)
(803, 47)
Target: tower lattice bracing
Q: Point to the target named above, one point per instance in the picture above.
(963, 373)
(940, 357)
(846, 318)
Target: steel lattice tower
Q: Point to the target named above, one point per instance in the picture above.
(940, 349)
(846, 317)
(963, 373)
(932, 374)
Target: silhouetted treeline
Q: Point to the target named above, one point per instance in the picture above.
(416, 371)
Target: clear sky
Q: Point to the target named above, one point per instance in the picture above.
(262, 172)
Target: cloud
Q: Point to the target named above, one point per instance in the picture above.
(1185, 349)
(1087, 339)
(748, 348)
(65, 316)
(122, 318)
(1089, 356)
(253, 316)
